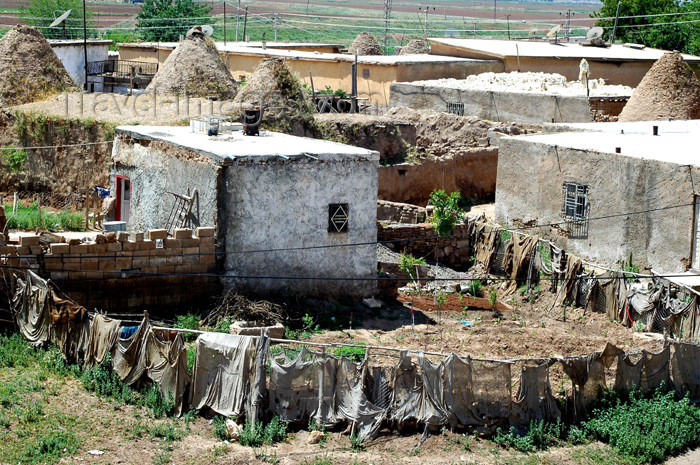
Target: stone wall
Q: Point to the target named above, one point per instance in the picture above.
(397, 212)
(529, 191)
(472, 173)
(608, 106)
(123, 271)
(494, 106)
(452, 251)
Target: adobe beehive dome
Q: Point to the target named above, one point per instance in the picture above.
(196, 69)
(415, 47)
(365, 44)
(29, 68)
(670, 89)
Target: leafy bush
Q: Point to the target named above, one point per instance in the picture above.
(105, 382)
(49, 447)
(255, 434)
(446, 211)
(648, 430)
(15, 352)
(539, 436)
(356, 442)
(530, 294)
(407, 264)
(356, 354)
(219, 423)
(475, 288)
(189, 321)
(14, 158)
(160, 406)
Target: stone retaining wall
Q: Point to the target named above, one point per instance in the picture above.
(452, 251)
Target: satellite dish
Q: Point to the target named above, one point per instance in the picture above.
(207, 30)
(594, 33)
(554, 31)
(60, 19)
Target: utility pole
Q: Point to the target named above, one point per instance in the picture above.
(494, 9)
(238, 18)
(568, 22)
(245, 23)
(617, 15)
(224, 23)
(307, 7)
(426, 8)
(275, 18)
(85, 44)
(387, 21)
(508, 22)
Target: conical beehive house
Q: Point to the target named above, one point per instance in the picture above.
(670, 89)
(274, 88)
(365, 44)
(415, 47)
(196, 69)
(29, 68)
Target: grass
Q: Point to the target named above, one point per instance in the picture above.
(356, 354)
(256, 434)
(29, 217)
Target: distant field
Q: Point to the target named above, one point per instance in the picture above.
(340, 21)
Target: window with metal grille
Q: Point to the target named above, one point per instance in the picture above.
(575, 209)
(338, 217)
(574, 201)
(455, 108)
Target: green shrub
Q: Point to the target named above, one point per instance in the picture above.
(219, 423)
(16, 352)
(407, 262)
(15, 158)
(446, 211)
(539, 436)
(189, 321)
(356, 442)
(160, 406)
(167, 432)
(648, 429)
(49, 447)
(255, 434)
(104, 381)
(475, 288)
(356, 354)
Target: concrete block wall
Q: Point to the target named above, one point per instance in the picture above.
(124, 271)
(453, 251)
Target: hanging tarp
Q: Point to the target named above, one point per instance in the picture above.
(31, 305)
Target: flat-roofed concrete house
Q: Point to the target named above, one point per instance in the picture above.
(287, 209)
(609, 190)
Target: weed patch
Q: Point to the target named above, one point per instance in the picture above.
(256, 434)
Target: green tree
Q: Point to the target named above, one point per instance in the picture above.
(446, 211)
(41, 13)
(166, 20)
(639, 29)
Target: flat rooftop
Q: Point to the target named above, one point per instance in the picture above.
(236, 48)
(220, 44)
(70, 42)
(676, 142)
(499, 49)
(237, 146)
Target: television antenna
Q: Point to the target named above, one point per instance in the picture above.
(61, 20)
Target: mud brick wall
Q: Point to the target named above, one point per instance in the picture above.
(400, 212)
(124, 272)
(451, 251)
(608, 106)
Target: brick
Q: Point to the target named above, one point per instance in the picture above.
(90, 259)
(207, 259)
(141, 262)
(95, 275)
(100, 239)
(130, 246)
(190, 260)
(78, 249)
(189, 242)
(71, 259)
(158, 261)
(108, 274)
(123, 263)
(111, 237)
(190, 250)
(174, 260)
(122, 236)
(74, 241)
(53, 263)
(114, 246)
(172, 243)
(75, 275)
(36, 249)
(149, 270)
(23, 250)
(107, 265)
(58, 276)
(207, 242)
(147, 245)
(137, 236)
(71, 266)
(182, 233)
(166, 269)
(89, 266)
(205, 232)
(29, 240)
(198, 268)
(154, 234)
(7, 250)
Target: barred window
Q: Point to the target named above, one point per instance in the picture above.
(574, 201)
(338, 217)
(455, 108)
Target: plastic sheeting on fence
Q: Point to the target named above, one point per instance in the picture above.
(31, 308)
(516, 261)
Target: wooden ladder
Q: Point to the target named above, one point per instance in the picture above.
(180, 213)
